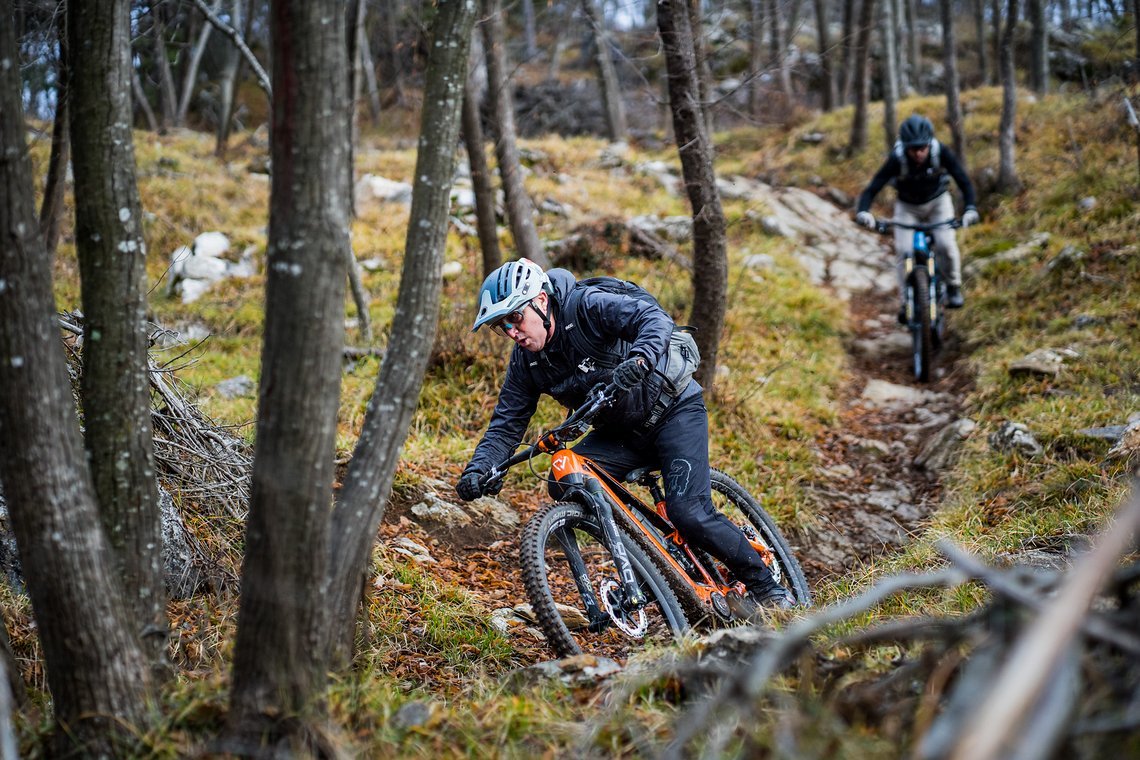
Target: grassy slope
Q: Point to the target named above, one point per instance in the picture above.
(783, 350)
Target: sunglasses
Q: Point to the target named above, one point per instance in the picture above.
(511, 321)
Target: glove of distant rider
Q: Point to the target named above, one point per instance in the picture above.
(971, 217)
(865, 218)
(469, 486)
(630, 372)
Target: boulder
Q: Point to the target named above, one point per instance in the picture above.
(1015, 437)
(941, 449)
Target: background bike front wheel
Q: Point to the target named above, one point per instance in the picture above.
(572, 582)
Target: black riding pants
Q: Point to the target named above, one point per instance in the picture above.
(679, 445)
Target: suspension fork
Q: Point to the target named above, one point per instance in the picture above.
(593, 491)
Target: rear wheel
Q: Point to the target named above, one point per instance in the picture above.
(730, 498)
(922, 328)
(572, 582)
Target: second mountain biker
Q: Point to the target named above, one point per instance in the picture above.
(918, 166)
(521, 301)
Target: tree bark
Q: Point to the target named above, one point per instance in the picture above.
(1008, 181)
(191, 73)
(360, 507)
(995, 13)
(850, 11)
(780, 48)
(828, 94)
(114, 388)
(96, 670)
(520, 208)
(953, 84)
(903, 65)
(167, 98)
(756, 64)
(710, 258)
(530, 39)
(280, 664)
(914, 51)
(141, 102)
(703, 72)
(862, 77)
(607, 75)
(55, 184)
(472, 127)
(890, 74)
(980, 32)
(1039, 47)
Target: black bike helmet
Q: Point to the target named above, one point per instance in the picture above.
(916, 132)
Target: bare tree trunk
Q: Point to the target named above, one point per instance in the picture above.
(953, 85)
(56, 182)
(391, 68)
(995, 13)
(828, 93)
(780, 49)
(191, 74)
(472, 127)
(710, 258)
(167, 98)
(371, 86)
(141, 102)
(530, 39)
(359, 509)
(862, 74)
(850, 9)
(96, 671)
(703, 72)
(904, 65)
(890, 74)
(1008, 181)
(607, 75)
(980, 31)
(1039, 47)
(228, 82)
(111, 249)
(520, 208)
(914, 48)
(280, 666)
(756, 58)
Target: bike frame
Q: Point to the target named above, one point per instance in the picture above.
(922, 255)
(589, 484)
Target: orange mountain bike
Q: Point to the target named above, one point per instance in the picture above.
(606, 571)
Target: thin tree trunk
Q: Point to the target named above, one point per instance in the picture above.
(167, 98)
(862, 74)
(371, 86)
(995, 13)
(607, 75)
(111, 249)
(55, 184)
(530, 39)
(358, 511)
(1008, 181)
(828, 93)
(710, 259)
(141, 102)
(191, 74)
(280, 664)
(472, 127)
(953, 85)
(96, 671)
(980, 32)
(1039, 47)
(914, 49)
(890, 74)
(904, 64)
(520, 208)
(703, 72)
(756, 64)
(850, 10)
(780, 49)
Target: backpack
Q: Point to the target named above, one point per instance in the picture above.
(683, 356)
(899, 152)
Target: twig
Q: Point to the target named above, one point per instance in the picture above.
(239, 43)
(998, 718)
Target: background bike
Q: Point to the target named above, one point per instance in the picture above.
(605, 571)
(925, 293)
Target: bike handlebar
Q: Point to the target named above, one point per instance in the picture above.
(883, 226)
(598, 399)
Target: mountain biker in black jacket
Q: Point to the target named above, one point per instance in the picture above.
(523, 303)
(920, 169)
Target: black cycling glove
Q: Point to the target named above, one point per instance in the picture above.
(469, 486)
(630, 372)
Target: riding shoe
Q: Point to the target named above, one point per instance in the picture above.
(774, 598)
(954, 297)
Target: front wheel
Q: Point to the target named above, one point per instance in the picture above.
(730, 498)
(572, 582)
(922, 328)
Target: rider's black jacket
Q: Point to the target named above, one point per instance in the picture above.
(608, 321)
(919, 183)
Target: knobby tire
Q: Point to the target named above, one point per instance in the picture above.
(539, 535)
(922, 329)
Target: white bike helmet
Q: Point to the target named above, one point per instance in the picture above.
(509, 288)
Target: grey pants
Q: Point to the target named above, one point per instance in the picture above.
(937, 210)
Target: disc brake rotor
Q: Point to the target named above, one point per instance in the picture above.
(635, 624)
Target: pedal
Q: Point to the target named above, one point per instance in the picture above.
(720, 605)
